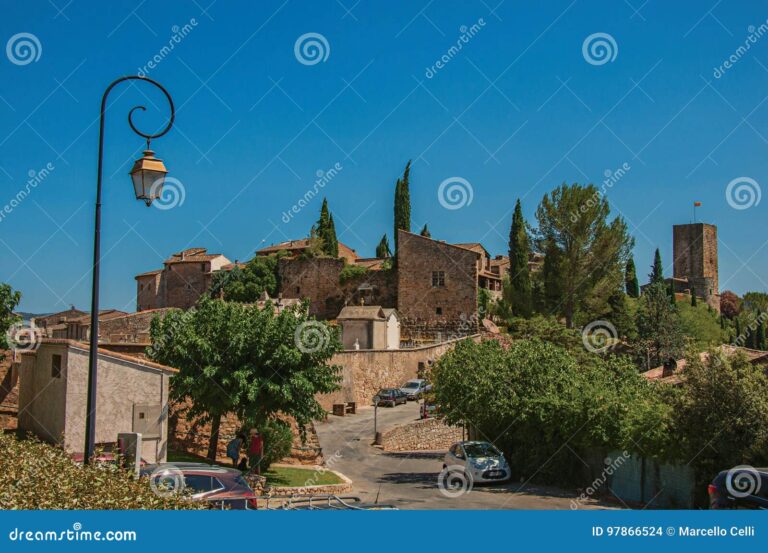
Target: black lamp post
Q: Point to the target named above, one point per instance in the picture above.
(148, 175)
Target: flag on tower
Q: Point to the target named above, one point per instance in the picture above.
(696, 204)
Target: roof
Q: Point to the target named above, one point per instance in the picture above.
(103, 353)
(362, 312)
(140, 313)
(440, 242)
(230, 266)
(192, 255)
(474, 246)
(104, 315)
(657, 374)
(149, 273)
(372, 263)
(388, 311)
(299, 245)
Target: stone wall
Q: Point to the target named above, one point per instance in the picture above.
(365, 372)
(430, 308)
(318, 279)
(131, 329)
(694, 249)
(423, 435)
(9, 392)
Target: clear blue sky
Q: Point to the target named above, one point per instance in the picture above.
(516, 112)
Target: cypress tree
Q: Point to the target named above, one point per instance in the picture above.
(657, 269)
(519, 275)
(382, 250)
(332, 248)
(738, 329)
(630, 279)
(402, 204)
(693, 297)
(760, 336)
(322, 228)
(750, 342)
(425, 232)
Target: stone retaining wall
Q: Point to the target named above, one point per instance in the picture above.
(423, 435)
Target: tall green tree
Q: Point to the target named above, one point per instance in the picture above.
(552, 286)
(250, 362)
(694, 301)
(760, 335)
(519, 274)
(9, 299)
(325, 232)
(382, 250)
(631, 284)
(332, 249)
(593, 250)
(247, 284)
(403, 203)
(658, 328)
(657, 269)
(425, 232)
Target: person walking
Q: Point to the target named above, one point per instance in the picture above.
(256, 451)
(233, 448)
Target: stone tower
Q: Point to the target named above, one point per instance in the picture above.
(695, 260)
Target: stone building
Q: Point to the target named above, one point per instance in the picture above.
(369, 327)
(79, 328)
(185, 276)
(294, 248)
(45, 322)
(694, 249)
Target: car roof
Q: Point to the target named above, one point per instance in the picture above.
(192, 467)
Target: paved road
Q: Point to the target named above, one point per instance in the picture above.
(409, 480)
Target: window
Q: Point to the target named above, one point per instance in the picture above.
(201, 483)
(438, 279)
(56, 366)
(438, 311)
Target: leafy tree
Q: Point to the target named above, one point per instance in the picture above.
(251, 362)
(425, 232)
(701, 325)
(9, 299)
(594, 251)
(619, 315)
(483, 302)
(521, 299)
(382, 250)
(657, 269)
(730, 304)
(631, 284)
(658, 327)
(247, 284)
(403, 203)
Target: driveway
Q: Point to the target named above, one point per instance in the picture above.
(409, 480)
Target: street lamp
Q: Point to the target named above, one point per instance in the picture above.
(148, 175)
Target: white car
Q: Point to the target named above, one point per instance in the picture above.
(413, 389)
(480, 461)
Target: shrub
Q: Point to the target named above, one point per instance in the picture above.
(35, 475)
(278, 440)
(351, 272)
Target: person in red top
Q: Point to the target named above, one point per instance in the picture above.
(256, 450)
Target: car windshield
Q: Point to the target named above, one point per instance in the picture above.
(411, 384)
(481, 449)
(386, 392)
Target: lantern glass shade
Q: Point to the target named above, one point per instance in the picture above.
(148, 175)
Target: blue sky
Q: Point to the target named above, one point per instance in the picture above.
(517, 111)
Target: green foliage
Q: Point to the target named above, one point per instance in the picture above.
(593, 251)
(546, 329)
(9, 299)
(521, 298)
(694, 299)
(658, 326)
(247, 284)
(324, 230)
(35, 475)
(278, 439)
(552, 287)
(657, 269)
(701, 325)
(483, 302)
(425, 232)
(351, 272)
(755, 301)
(251, 362)
(403, 203)
(382, 250)
(536, 396)
(620, 315)
(631, 284)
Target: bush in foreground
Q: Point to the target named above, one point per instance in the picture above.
(35, 475)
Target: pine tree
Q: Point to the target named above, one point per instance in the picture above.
(382, 250)
(425, 232)
(657, 269)
(550, 272)
(694, 302)
(632, 286)
(519, 275)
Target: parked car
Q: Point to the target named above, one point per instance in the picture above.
(391, 397)
(221, 487)
(480, 461)
(739, 488)
(427, 409)
(415, 388)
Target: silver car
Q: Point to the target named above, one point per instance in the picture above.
(413, 389)
(480, 461)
